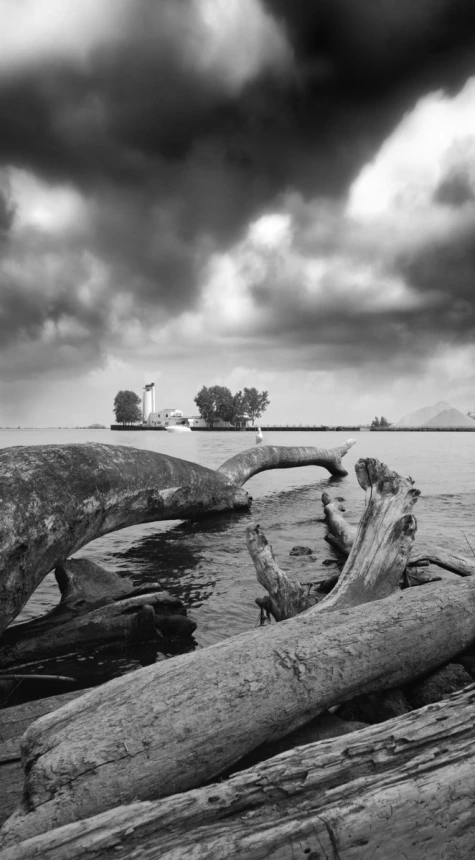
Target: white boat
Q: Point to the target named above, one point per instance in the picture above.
(178, 428)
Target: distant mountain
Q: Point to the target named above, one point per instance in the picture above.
(450, 418)
(421, 416)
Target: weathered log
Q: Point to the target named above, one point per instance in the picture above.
(173, 726)
(54, 499)
(444, 558)
(378, 555)
(383, 540)
(13, 722)
(243, 466)
(286, 597)
(97, 607)
(341, 533)
(136, 619)
(401, 789)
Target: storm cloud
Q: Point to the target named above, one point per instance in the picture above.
(146, 148)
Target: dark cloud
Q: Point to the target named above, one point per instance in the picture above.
(174, 160)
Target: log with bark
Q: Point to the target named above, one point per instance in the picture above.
(402, 789)
(174, 726)
(97, 608)
(54, 499)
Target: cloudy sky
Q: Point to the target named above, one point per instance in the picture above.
(237, 192)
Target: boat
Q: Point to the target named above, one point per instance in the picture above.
(178, 428)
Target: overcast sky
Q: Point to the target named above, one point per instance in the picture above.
(269, 193)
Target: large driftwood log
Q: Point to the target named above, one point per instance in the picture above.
(97, 608)
(401, 789)
(54, 499)
(173, 726)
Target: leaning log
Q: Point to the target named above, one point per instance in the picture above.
(400, 789)
(286, 597)
(176, 725)
(54, 499)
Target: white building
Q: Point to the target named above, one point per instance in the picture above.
(167, 417)
(148, 401)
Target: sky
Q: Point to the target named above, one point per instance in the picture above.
(241, 193)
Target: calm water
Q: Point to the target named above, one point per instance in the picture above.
(207, 564)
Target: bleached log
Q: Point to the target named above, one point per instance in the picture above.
(341, 533)
(383, 540)
(176, 725)
(243, 466)
(54, 499)
(444, 558)
(379, 548)
(286, 596)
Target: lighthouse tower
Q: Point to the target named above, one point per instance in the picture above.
(148, 401)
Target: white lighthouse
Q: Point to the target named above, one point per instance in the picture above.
(148, 401)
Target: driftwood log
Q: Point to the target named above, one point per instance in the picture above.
(402, 789)
(341, 535)
(54, 499)
(378, 552)
(97, 608)
(173, 726)
(195, 716)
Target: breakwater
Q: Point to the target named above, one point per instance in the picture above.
(265, 428)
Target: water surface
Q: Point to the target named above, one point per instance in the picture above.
(207, 564)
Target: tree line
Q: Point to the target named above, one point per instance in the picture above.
(214, 403)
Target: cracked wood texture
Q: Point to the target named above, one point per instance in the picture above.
(383, 540)
(286, 596)
(379, 546)
(176, 725)
(55, 499)
(400, 789)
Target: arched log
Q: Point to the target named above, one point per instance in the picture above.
(243, 466)
(55, 499)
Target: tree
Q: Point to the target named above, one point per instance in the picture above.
(380, 422)
(216, 402)
(127, 407)
(255, 402)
